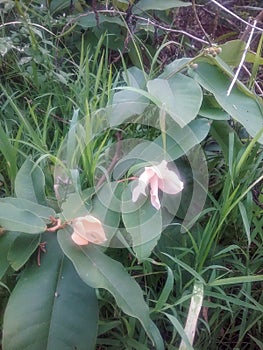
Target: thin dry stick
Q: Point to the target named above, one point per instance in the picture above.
(199, 22)
(147, 20)
(256, 83)
(259, 18)
(236, 16)
(242, 58)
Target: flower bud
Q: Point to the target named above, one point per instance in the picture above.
(87, 229)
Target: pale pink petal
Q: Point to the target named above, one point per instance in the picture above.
(158, 176)
(77, 225)
(78, 239)
(146, 176)
(138, 190)
(154, 192)
(88, 229)
(169, 181)
(143, 183)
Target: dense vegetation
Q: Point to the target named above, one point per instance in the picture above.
(98, 99)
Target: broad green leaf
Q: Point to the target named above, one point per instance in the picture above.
(213, 113)
(139, 153)
(241, 104)
(143, 222)
(179, 96)
(15, 219)
(37, 209)
(91, 20)
(21, 250)
(120, 112)
(127, 103)
(220, 130)
(57, 5)
(144, 5)
(74, 206)
(179, 141)
(9, 153)
(104, 206)
(30, 183)
(232, 52)
(50, 307)
(99, 271)
(210, 109)
(109, 195)
(175, 67)
(6, 241)
(107, 209)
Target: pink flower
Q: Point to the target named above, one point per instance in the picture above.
(158, 177)
(87, 229)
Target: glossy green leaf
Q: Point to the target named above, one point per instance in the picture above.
(37, 209)
(143, 222)
(210, 109)
(6, 241)
(9, 153)
(57, 5)
(144, 5)
(127, 103)
(16, 219)
(109, 195)
(99, 271)
(30, 183)
(50, 307)
(221, 130)
(180, 96)
(232, 52)
(179, 141)
(21, 250)
(106, 207)
(175, 66)
(213, 113)
(74, 206)
(240, 104)
(91, 20)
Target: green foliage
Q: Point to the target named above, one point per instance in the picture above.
(50, 307)
(162, 276)
(99, 271)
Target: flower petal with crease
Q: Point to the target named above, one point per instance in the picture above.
(87, 229)
(157, 177)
